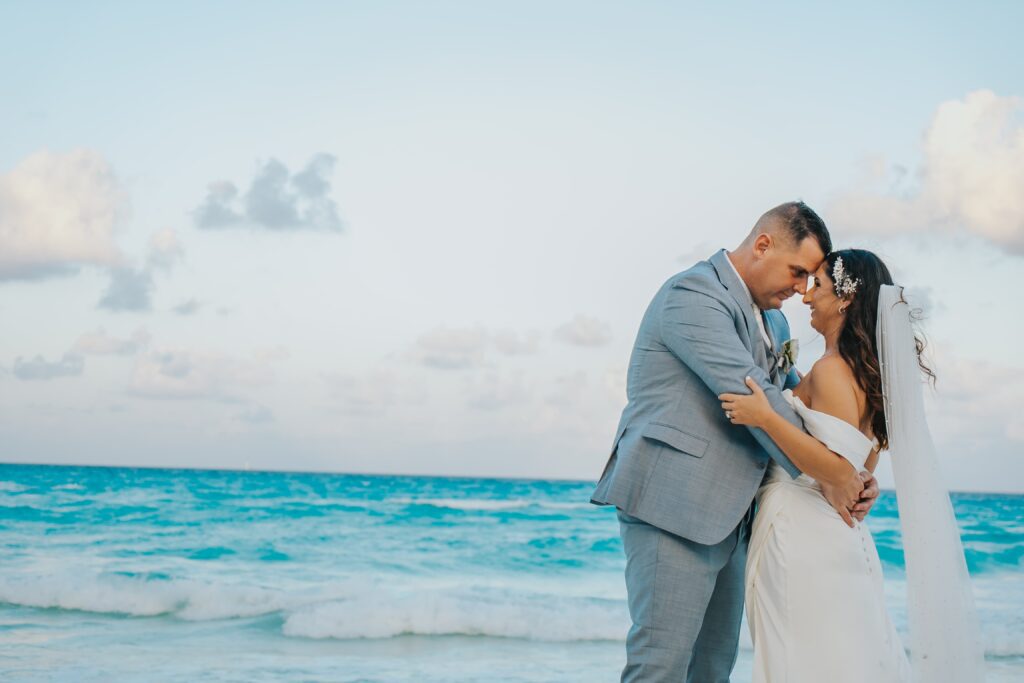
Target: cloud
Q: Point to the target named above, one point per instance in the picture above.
(923, 299)
(468, 347)
(567, 390)
(165, 250)
(973, 418)
(451, 349)
(700, 252)
(276, 199)
(38, 368)
(216, 210)
(72, 363)
(189, 307)
(176, 373)
(57, 213)
(100, 344)
(970, 178)
(493, 392)
(976, 400)
(130, 289)
(256, 414)
(511, 343)
(584, 331)
(371, 394)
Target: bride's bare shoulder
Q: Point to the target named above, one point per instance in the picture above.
(833, 389)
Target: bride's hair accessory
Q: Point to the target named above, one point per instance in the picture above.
(845, 285)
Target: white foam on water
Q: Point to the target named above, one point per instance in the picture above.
(389, 606)
(489, 504)
(464, 503)
(140, 597)
(461, 613)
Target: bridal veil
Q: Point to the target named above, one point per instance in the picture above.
(944, 640)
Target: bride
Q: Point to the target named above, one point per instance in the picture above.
(814, 591)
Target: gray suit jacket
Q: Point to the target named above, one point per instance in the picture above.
(676, 462)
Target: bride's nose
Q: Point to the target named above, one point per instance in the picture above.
(808, 292)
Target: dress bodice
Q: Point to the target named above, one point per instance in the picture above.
(840, 437)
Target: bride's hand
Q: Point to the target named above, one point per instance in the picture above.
(747, 409)
(867, 497)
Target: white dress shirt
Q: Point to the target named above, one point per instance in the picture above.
(758, 316)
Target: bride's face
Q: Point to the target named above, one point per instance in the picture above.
(823, 302)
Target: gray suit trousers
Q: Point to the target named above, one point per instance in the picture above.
(690, 631)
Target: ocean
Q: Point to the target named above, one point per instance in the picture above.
(122, 574)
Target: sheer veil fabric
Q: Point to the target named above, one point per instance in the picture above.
(944, 640)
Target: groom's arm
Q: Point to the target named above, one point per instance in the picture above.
(701, 332)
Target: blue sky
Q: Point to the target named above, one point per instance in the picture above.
(440, 223)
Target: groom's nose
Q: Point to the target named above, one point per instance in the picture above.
(801, 286)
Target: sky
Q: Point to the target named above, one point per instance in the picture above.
(419, 237)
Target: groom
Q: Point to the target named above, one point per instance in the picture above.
(681, 475)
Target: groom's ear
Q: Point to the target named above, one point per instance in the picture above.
(762, 244)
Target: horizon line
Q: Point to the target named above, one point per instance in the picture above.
(382, 474)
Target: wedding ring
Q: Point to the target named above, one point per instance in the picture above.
(728, 415)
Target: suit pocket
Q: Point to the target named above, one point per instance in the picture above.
(675, 438)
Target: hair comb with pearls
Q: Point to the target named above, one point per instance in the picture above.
(845, 285)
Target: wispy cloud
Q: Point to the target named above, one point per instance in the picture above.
(459, 348)
(189, 307)
(99, 343)
(177, 373)
(496, 392)
(371, 394)
(584, 330)
(970, 178)
(72, 363)
(699, 252)
(275, 200)
(165, 250)
(256, 414)
(131, 288)
(512, 343)
(451, 348)
(38, 368)
(58, 212)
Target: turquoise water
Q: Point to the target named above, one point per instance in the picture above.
(147, 574)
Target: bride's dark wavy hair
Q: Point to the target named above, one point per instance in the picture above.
(858, 345)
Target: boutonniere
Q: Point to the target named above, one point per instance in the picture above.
(787, 359)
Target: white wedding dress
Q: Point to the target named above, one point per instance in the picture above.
(814, 594)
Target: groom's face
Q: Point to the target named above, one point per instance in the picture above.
(783, 267)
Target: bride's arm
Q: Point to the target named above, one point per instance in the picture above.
(832, 393)
(872, 461)
(810, 455)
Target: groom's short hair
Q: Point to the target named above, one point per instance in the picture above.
(799, 221)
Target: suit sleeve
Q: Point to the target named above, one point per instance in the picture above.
(701, 332)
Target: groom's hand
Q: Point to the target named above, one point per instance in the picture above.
(845, 496)
(867, 497)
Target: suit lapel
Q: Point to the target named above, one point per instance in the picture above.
(778, 377)
(769, 327)
(727, 276)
